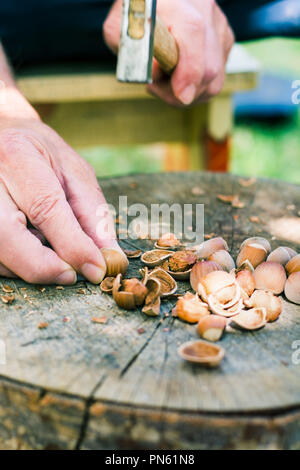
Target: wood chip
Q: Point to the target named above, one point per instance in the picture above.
(43, 325)
(226, 198)
(196, 191)
(232, 199)
(237, 204)
(8, 289)
(254, 219)
(100, 320)
(59, 288)
(81, 291)
(8, 299)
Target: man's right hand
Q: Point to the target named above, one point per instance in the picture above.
(45, 181)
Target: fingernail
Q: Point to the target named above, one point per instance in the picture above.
(188, 95)
(93, 273)
(68, 277)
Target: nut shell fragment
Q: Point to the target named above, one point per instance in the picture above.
(133, 254)
(251, 320)
(224, 259)
(202, 352)
(267, 300)
(207, 248)
(167, 282)
(155, 258)
(190, 309)
(168, 240)
(132, 297)
(152, 301)
(200, 270)
(107, 285)
(246, 281)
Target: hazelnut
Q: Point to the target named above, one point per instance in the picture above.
(211, 327)
(270, 276)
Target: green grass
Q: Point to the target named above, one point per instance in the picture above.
(270, 150)
(259, 149)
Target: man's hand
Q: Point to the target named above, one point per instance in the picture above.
(44, 182)
(204, 38)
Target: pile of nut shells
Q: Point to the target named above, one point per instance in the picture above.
(243, 294)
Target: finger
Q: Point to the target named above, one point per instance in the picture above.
(38, 193)
(4, 272)
(88, 202)
(112, 26)
(22, 254)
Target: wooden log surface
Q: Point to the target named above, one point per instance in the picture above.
(78, 384)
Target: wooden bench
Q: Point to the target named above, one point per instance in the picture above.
(88, 107)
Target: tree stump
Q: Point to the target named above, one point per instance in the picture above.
(121, 385)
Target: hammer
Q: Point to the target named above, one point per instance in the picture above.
(142, 36)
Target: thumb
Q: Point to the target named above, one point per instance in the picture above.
(112, 27)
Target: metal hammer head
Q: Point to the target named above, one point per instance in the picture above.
(136, 44)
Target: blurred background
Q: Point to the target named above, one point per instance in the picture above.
(266, 136)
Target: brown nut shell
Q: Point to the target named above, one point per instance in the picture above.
(207, 248)
(200, 270)
(152, 301)
(270, 276)
(267, 300)
(167, 282)
(190, 309)
(224, 259)
(155, 258)
(202, 353)
(168, 241)
(107, 285)
(258, 240)
(293, 265)
(116, 261)
(246, 281)
(212, 327)
(254, 253)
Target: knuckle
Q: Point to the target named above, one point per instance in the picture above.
(43, 208)
(211, 72)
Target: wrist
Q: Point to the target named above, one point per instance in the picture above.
(14, 105)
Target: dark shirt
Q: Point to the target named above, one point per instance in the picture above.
(35, 31)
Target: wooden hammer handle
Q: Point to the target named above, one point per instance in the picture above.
(165, 47)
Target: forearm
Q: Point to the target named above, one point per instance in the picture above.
(12, 102)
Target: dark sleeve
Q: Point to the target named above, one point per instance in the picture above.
(253, 19)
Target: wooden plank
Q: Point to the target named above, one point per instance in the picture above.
(75, 85)
(104, 385)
